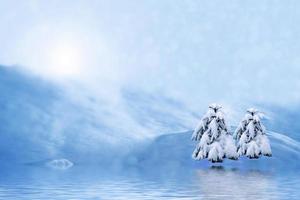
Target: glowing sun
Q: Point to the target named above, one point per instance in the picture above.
(65, 59)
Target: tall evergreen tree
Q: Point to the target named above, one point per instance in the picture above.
(251, 136)
(215, 142)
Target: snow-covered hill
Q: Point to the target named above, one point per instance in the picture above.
(43, 121)
(40, 123)
(174, 150)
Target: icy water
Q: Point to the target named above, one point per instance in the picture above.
(207, 183)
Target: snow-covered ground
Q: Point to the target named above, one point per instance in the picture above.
(175, 150)
(40, 123)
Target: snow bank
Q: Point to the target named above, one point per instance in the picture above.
(62, 164)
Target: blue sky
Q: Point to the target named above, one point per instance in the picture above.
(238, 53)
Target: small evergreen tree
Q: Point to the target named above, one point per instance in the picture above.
(251, 136)
(215, 142)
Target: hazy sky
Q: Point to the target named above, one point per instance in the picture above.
(196, 52)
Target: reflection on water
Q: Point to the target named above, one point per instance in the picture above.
(211, 183)
(231, 184)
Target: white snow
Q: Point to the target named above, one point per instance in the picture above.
(216, 152)
(60, 164)
(264, 144)
(230, 148)
(252, 150)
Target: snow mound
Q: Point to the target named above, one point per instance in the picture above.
(173, 150)
(60, 164)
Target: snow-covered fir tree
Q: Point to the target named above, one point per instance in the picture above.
(215, 142)
(251, 137)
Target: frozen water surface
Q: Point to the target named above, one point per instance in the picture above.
(209, 183)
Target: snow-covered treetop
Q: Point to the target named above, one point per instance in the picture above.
(215, 107)
(253, 114)
(252, 111)
(213, 112)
